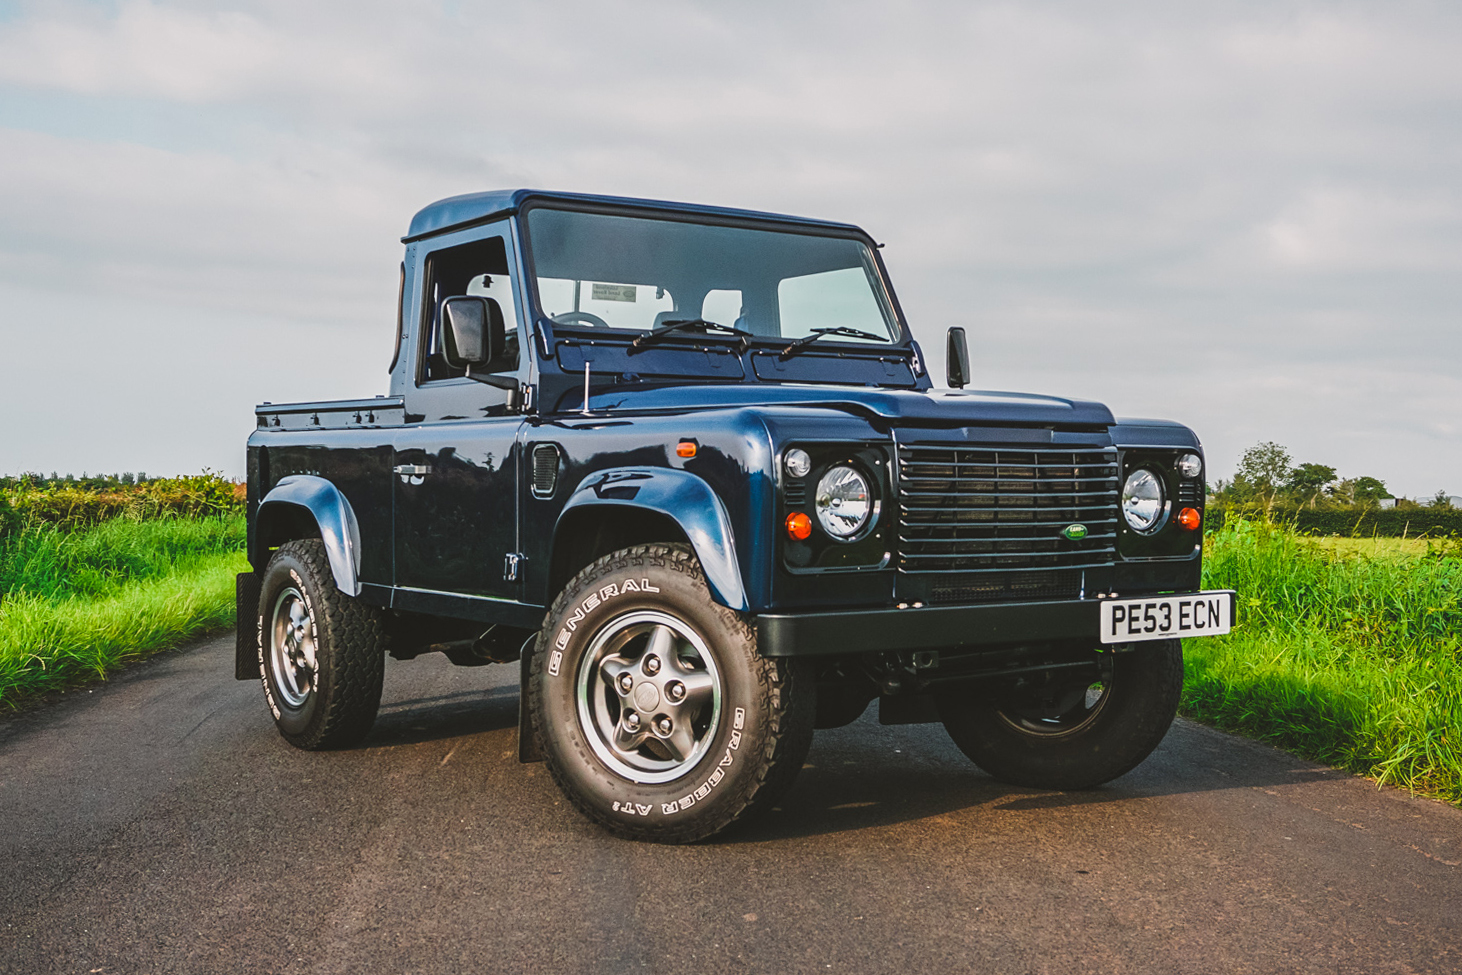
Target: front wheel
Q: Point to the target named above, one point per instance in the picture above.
(1072, 733)
(655, 713)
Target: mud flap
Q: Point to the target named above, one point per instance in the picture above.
(246, 626)
(527, 747)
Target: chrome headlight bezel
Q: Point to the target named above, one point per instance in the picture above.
(846, 502)
(1144, 502)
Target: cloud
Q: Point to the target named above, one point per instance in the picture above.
(1115, 198)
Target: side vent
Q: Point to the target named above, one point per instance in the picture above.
(545, 470)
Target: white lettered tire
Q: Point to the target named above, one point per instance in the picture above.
(655, 713)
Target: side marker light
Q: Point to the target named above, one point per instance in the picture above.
(686, 448)
(1190, 519)
(799, 526)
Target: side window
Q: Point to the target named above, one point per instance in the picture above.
(723, 308)
(476, 268)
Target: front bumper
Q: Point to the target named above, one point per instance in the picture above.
(926, 628)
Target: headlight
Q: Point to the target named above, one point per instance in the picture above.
(1189, 465)
(844, 502)
(1142, 500)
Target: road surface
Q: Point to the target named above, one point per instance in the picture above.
(156, 823)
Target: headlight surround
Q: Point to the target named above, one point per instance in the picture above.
(1144, 501)
(844, 502)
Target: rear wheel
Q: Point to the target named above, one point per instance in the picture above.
(655, 713)
(1070, 733)
(321, 653)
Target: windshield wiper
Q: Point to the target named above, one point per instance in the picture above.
(818, 333)
(687, 324)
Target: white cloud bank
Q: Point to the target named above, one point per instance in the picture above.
(1244, 215)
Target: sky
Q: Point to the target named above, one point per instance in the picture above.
(1243, 216)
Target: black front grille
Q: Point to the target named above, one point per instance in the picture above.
(984, 509)
(1190, 493)
(1009, 587)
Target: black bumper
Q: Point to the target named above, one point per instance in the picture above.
(925, 628)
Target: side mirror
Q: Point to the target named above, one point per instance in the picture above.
(473, 332)
(957, 359)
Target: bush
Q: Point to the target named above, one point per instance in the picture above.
(1353, 523)
(73, 505)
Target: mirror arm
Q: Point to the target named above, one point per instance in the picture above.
(510, 383)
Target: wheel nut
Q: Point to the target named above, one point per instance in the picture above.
(626, 682)
(652, 665)
(676, 690)
(631, 720)
(662, 725)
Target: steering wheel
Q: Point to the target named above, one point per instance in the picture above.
(580, 318)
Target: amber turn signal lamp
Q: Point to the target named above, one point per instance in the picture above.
(686, 448)
(1190, 519)
(799, 526)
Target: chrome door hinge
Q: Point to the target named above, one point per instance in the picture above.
(510, 566)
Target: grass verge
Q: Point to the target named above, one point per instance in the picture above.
(75, 605)
(1349, 658)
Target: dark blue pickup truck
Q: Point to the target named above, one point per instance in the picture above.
(685, 465)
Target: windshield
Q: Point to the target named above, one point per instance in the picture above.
(600, 271)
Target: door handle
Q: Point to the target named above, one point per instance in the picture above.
(412, 470)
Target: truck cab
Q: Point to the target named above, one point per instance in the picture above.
(685, 465)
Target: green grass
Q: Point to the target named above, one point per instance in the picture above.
(75, 605)
(1350, 657)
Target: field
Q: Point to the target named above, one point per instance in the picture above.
(92, 577)
(1346, 650)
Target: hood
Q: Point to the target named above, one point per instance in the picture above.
(927, 407)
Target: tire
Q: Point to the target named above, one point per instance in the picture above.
(614, 646)
(1071, 735)
(322, 654)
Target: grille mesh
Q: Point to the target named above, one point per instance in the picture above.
(545, 470)
(968, 509)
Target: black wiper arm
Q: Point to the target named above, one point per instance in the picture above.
(684, 324)
(818, 333)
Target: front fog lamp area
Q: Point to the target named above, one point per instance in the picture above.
(844, 502)
(1143, 502)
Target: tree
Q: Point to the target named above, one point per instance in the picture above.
(1263, 469)
(1442, 500)
(1308, 482)
(1370, 489)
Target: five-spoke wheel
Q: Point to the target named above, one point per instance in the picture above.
(649, 696)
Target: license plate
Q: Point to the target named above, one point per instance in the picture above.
(1166, 617)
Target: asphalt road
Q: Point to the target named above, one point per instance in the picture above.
(158, 824)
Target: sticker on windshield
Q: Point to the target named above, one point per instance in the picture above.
(613, 292)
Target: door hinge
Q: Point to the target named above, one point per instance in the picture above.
(510, 566)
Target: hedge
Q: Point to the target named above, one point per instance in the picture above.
(1386, 523)
(71, 506)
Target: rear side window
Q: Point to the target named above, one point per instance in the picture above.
(476, 268)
